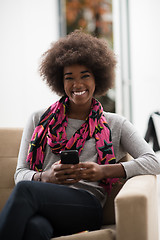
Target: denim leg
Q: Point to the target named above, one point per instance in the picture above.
(19, 208)
(68, 210)
(38, 228)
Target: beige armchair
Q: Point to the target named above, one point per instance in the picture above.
(130, 212)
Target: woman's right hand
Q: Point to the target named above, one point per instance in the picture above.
(61, 174)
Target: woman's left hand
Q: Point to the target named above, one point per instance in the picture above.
(91, 171)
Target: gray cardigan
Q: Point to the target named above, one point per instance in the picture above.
(125, 140)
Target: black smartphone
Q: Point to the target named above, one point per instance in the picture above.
(69, 157)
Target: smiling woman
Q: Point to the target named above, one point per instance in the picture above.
(60, 199)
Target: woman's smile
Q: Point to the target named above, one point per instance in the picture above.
(79, 93)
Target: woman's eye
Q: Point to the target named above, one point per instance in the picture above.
(68, 78)
(86, 76)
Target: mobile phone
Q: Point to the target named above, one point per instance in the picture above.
(69, 157)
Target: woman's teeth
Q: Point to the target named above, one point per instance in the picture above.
(79, 93)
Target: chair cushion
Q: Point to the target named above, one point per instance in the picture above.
(107, 234)
(7, 170)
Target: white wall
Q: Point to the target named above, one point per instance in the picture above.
(27, 27)
(145, 60)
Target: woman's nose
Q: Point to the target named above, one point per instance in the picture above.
(78, 82)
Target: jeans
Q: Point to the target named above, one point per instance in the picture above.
(37, 210)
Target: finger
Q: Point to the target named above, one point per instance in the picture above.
(66, 174)
(88, 174)
(64, 166)
(67, 171)
(86, 165)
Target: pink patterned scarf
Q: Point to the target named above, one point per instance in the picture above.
(51, 130)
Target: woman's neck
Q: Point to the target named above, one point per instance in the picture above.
(79, 112)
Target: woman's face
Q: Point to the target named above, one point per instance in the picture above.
(79, 84)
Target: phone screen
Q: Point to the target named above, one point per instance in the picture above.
(69, 157)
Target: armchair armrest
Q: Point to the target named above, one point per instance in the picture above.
(136, 209)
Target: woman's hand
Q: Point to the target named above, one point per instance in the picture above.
(70, 174)
(61, 174)
(91, 171)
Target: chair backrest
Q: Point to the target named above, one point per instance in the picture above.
(10, 139)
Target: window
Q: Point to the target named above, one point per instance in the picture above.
(94, 17)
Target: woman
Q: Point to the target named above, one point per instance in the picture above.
(52, 199)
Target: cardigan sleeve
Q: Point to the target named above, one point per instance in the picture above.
(22, 170)
(125, 140)
(144, 159)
